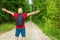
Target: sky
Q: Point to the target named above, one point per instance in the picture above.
(30, 1)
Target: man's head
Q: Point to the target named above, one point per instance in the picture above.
(20, 10)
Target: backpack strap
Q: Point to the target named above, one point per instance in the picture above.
(19, 14)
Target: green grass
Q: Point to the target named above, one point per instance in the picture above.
(53, 33)
(6, 27)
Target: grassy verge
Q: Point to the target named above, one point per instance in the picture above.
(6, 27)
(53, 33)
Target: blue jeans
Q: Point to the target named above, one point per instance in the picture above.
(20, 30)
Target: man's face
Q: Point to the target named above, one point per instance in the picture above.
(20, 10)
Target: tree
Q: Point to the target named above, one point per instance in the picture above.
(12, 5)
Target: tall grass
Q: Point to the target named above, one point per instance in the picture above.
(6, 27)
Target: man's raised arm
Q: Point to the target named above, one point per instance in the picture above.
(33, 13)
(5, 10)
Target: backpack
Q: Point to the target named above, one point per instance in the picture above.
(19, 20)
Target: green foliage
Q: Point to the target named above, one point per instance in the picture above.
(13, 6)
(48, 17)
(58, 14)
(51, 13)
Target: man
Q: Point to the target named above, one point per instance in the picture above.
(20, 29)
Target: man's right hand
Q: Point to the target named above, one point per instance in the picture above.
(4, 9)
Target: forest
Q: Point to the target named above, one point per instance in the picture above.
(48, 20)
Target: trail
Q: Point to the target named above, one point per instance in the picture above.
(32, 33)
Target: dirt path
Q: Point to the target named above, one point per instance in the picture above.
(32, 33)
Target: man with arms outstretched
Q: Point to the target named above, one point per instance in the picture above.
(20, 29)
